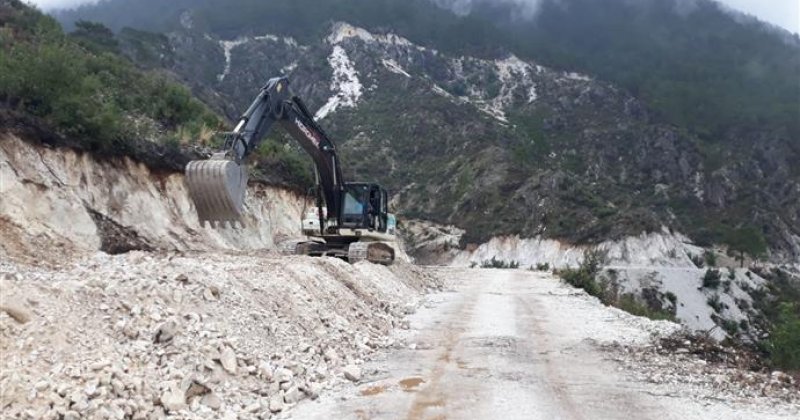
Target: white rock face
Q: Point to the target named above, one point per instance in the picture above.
(655, 249)
(343, 31)
(519, 81)
(660, 261)
(46, 195)
(686, 283)
(345, 85)
(228, 47)
(514, 74)
(393, 67)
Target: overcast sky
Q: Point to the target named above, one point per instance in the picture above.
(785, 13)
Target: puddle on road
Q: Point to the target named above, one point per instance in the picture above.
(411, 384)
(373, 390)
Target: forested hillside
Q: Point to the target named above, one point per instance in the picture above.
(79, 86)
(80, 90)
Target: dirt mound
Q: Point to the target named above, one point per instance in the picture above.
(199, 336)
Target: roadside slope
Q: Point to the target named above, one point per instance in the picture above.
(58, 201)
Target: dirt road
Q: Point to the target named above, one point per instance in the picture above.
(518, 345)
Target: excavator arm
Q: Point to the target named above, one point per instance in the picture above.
(218, 185)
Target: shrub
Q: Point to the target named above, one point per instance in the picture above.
(672, 298)
(496, 263)
(543, 267)
(730, 326)
(710, 258)
(711, 279)
(630, 304)
(715, 303)
(726, 286)
(784, 342)
(582, 279)
(697, 260)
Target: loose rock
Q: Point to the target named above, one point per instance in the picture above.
(16, 312)
(228, 360)
(166, 332)
(173, 401)
(211, 401)
(352, 373)
(276, 403)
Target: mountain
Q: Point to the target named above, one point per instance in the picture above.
(583, 122)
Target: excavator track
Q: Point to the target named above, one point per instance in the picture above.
(308, 247)
(217, 187)
(374, 252)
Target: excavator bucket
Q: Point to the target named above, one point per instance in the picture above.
(217, 187)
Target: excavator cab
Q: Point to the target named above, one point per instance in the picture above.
(365, 207)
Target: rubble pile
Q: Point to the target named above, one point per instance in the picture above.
(142, 336)
(692, 365)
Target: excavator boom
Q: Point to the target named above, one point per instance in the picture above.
(218, 185)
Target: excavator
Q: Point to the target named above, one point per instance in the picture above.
(352, 223)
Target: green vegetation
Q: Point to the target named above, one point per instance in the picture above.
(697, 260)
(710, 258)
(784, 341)
(628, 303)
(606, 288)
(585, 276)
(80, 87)
(277, 161)
(712, 279)
(746, 241)
(715, 303)
(495, 263)
(731, 327)
(779, 306)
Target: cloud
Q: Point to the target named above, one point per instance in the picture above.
(463, 7)
(59, 4)
(784, 13)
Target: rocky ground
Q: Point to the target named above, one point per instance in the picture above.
(697, 367)
(145, 335)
